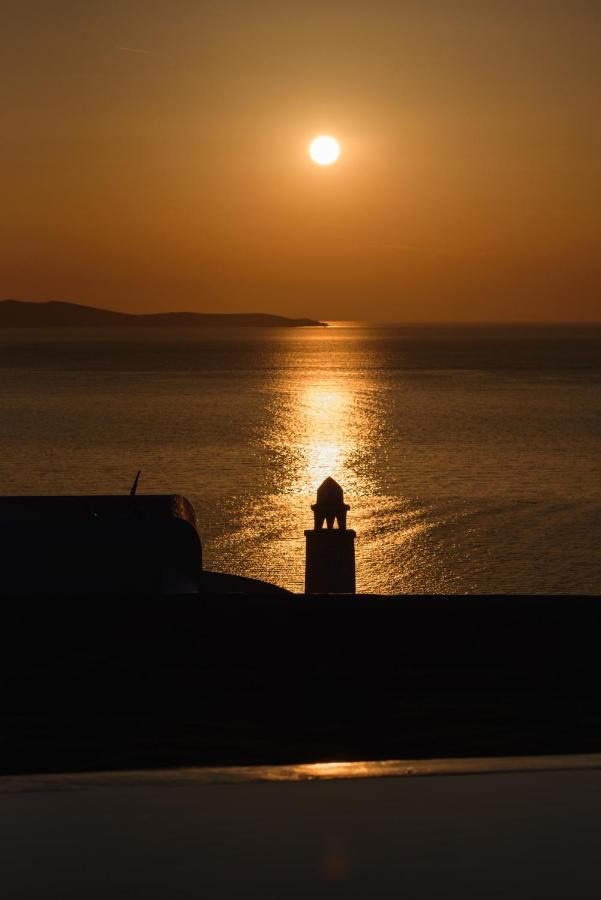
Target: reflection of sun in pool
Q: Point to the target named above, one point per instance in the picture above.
(324, 150)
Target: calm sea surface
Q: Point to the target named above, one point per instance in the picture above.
(471, 457)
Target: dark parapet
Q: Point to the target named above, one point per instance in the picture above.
(101, 682)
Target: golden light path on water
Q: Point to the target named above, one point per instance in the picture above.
(321, 429)
(326, 422)
(326, 418)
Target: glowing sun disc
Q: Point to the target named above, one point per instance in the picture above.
(324, 150)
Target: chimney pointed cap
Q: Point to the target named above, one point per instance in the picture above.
(330, 493)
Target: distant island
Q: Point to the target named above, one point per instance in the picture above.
(58, 314)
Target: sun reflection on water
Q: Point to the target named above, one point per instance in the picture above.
(326, 414)
(320, 424)
(327, 439)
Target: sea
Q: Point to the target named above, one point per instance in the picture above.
(470, 455)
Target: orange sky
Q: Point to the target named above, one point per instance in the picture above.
(153, 157)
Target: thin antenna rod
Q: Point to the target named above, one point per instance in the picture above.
(134, 486)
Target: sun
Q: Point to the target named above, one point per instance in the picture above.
(324, 150)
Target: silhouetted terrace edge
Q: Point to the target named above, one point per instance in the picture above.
(118, 682)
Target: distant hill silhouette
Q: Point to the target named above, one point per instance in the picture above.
(57, 314)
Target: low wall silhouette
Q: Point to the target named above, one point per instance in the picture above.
(97, 681)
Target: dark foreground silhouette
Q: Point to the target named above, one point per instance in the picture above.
(99, 682)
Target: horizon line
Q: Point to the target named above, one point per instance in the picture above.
(373, 321)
